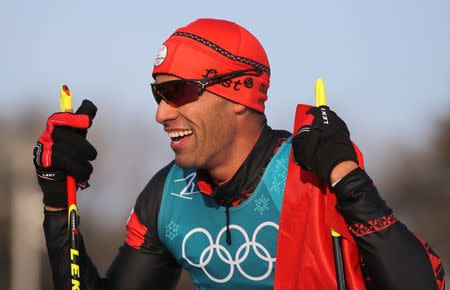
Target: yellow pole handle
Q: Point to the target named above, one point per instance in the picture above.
(321, 97)
(335, 234)
(65, 99)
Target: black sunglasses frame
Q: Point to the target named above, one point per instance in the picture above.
(202, 84)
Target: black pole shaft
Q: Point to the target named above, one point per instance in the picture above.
(74, 242)
(339, 263)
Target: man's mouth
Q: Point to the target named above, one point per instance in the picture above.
(179, 134)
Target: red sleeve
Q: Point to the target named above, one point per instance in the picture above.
(142, 225)
(135, 231)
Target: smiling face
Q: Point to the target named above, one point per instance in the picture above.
(203, 133)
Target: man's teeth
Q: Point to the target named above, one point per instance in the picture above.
(175, 134)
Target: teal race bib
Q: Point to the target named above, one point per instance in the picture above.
(193, 228)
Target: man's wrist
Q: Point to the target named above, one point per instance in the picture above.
(341, 170)
(51, 208)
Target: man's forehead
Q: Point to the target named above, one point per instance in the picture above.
(164, 78)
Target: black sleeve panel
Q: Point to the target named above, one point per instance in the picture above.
(147, 210)
(395, 258)
(358, 199)
(149, 267)
(134, 270)
(57, 240)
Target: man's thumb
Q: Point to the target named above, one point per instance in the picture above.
(87, 108)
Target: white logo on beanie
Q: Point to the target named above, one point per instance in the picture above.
(161, 56)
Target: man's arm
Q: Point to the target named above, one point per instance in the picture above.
(62, 149)
(132, 269)
(142, 262)
(394, 256)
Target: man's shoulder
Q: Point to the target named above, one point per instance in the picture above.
(158, 180)
(144, 229)
(279, 133)
(148, 202)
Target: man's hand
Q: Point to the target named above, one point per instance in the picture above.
(61, 150)
(325, 147)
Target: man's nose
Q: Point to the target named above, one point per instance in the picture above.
(165, 112)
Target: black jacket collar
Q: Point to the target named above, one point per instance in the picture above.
(247, 177)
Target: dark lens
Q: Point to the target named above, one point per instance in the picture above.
(155, 93)
(176, 93)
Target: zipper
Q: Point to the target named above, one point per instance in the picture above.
(227, 213)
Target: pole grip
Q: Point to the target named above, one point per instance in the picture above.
(72, 217)
(321, 96)
(321, 100)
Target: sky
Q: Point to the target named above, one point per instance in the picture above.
(384, 62)
(386, 66)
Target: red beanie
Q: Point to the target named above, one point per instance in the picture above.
(207, 47)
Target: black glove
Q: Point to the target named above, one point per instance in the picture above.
(61, 150)
(324, 144)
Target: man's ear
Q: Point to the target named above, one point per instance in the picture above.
(239, 108)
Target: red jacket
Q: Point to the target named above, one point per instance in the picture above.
(305, 259)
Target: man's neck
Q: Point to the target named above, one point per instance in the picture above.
(244, 181)
(225, 169)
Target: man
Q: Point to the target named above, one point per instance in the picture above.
(216, 209)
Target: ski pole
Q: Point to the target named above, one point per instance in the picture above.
(321, 100)
(72, 218)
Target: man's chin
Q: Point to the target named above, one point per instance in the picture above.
(184, 162)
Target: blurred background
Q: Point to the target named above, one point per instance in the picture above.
(386, 65)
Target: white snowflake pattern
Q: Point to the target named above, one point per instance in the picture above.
(262, 204)
(171, 230)
(279, 175)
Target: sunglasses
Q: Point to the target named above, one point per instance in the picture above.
(179, 92)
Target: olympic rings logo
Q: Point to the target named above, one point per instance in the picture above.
(225, 256)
